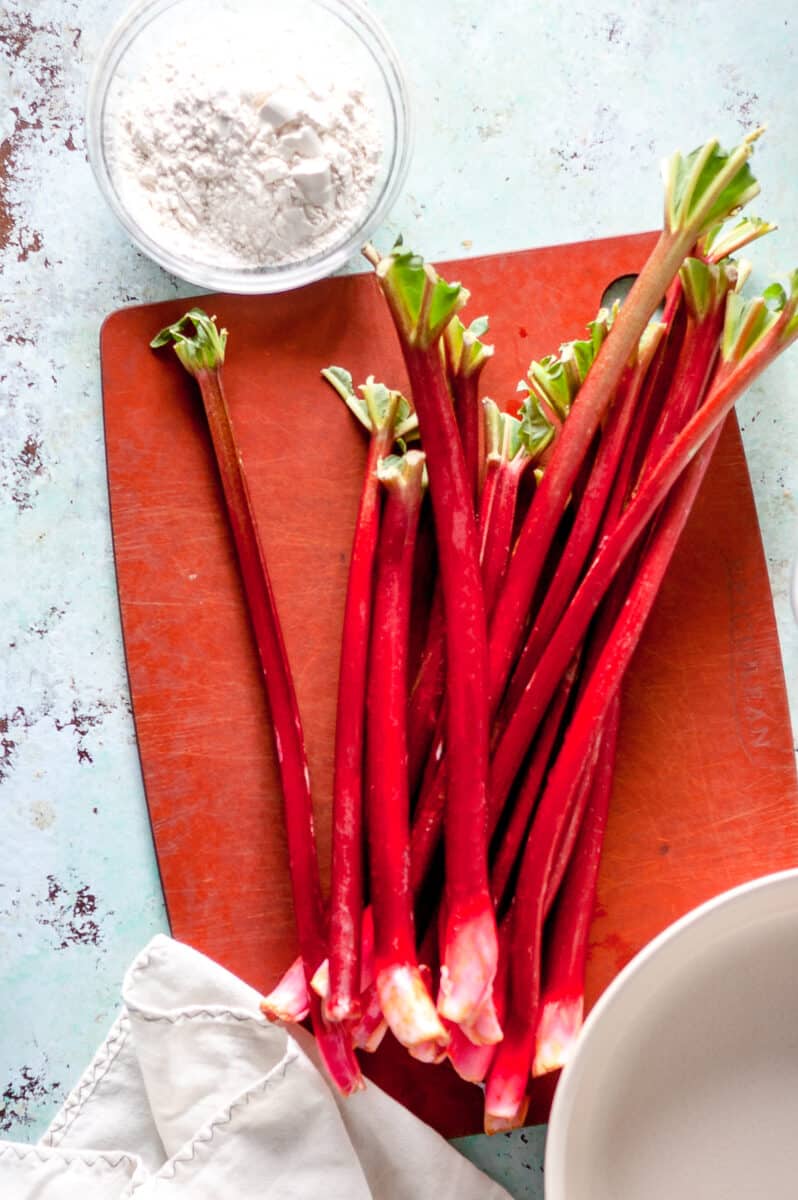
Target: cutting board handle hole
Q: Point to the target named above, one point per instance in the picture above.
(619, 289)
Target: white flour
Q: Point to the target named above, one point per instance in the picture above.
(241, 165)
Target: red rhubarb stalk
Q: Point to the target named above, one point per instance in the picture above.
(701, 190)
(422, 305)
(202, 353)
(465, 357)
(507, 1086)
(407, 1006)
(755, 332)
(563, 997)
(321, 978)
(565, 792)
(426, 696)
(379, 412)
(591, 507)
(552, 384)
(514, 836)
(654, 397)
(511, 447)
(508, 453)
(704, 287)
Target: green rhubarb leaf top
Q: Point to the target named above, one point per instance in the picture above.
(421, 302)
(553, 382)
(790, 311)
(504, 434)
(705, 285)
(649, 343)
(466, 353)
(578, 356)
(537, 430)
(406, 472)
(200, 350)
(749, 321)
(707, 186)
(720, 242)
(375, 405)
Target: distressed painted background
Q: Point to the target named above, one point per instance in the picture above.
(535, 124)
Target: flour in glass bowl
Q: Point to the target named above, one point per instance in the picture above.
(241, 163)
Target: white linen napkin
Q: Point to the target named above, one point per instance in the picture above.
(194, 1095)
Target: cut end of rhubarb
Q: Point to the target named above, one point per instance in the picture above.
(342, 1009)
(499, 1124)
(320, 982)
(560, 1022)
(486, 1030)
(471, 1062)
(506, 1088)
(335, 1007)
(433, 1052)
(470, 958)
(407, 1006)
(289, 1001)
(369, 1032)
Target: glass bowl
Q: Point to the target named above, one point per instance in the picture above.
(336, 36)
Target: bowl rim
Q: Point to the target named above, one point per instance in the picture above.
(257, 280)
(556, 1149)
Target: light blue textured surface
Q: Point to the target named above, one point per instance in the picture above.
(535, 125)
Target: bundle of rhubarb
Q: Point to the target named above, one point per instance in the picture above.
(480, 681)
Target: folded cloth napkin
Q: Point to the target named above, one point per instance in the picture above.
(194, 1095)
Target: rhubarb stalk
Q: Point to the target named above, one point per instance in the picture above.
(755, 332)
(701, 190)
(379, 411)
(704, 287)
(591, 506)
(562, 797)
(514, 835)
(407, 1006)
(509, 449)
(422, 305)
(563, 997)
(200, 347)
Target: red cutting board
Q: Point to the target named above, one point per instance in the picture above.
(705, 795)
